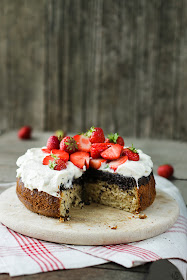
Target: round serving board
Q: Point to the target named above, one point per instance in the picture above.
(93, 224)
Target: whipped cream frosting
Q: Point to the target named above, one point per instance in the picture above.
(35, 175)
(135, 169)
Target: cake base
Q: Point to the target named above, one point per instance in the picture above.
(94, 224)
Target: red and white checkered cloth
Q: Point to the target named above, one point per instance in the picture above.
(21, 255)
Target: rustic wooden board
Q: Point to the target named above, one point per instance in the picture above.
(87, 226)
(117, 64)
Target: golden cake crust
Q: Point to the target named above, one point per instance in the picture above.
(48, 205)
(146, 194)
(38, 202)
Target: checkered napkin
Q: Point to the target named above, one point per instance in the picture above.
(21, 255)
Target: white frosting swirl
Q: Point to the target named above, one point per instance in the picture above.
(35, 175)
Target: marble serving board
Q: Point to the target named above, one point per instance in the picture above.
(93, 224)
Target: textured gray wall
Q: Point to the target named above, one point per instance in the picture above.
(119, 64)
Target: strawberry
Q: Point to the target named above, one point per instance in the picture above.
(47, 151)
(69, 145)
(131, 153)
(53, 142)
(80, 159)
(113, 152)
(115, 163)
(47, 160)
(165, 170)
(98, 148)
(25, 132)
(96, 163)
(115, 138)
(60, 154)
(120, 141)
(83, 142)
(96, 135)
(60, 134)
(57, 164)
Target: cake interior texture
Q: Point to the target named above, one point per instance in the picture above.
(105, 188)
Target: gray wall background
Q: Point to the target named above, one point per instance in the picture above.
(118, 64)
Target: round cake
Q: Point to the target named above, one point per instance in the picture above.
(80, 170)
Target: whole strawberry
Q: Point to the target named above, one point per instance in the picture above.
(60, 134)
(165, 170)
(131, 153)
(115, 138)
(25, 132)
(57, 164)
(69, 145)
(53, 142)
(96, 135)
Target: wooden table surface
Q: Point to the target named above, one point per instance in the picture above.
(161, 152)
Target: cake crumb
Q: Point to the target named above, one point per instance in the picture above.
(115, 227)
(61, 220)
(142, 216)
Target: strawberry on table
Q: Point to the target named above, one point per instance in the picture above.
(132, 153)
(96, 163)
(165, 170)
(83, 142)
(25, 132)
(60, 154)
(115, 138)
(53, 142)
(98, 148)
(96, 135)
(80, 159)
(113, 152)
(115, 163)
(69, 145)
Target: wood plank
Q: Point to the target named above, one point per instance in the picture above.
(116, 64)
(22, 50)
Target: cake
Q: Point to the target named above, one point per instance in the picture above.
(83, 169)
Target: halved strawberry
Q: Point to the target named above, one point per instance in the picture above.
(87, 162)
(47, 159)
(132, 153)
(115, 163)
(83, 142)
(113, 152)
(96, 163)
(61, 154)
(47, 151)
(98, 148)
(80, 159)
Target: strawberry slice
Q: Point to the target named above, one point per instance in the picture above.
(47, 159)
(98, 148)
(83, 142)
(61, 154)
(80, 159)
(96, 163)
(113, 152)
(131, 153)
(115, 163)
(47, 151)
